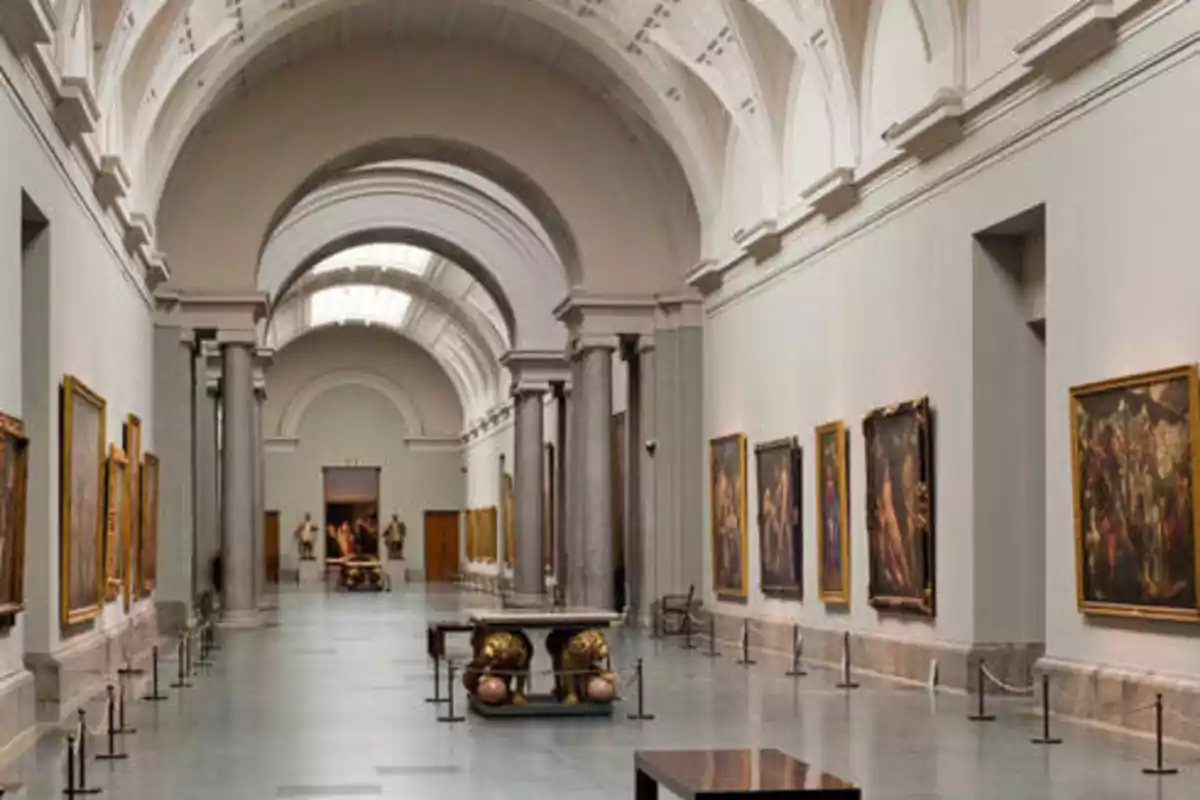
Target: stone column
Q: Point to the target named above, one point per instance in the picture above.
(648, 592)
(238, 607)
(573, 534)
(529, 583)
(562, 395)
(264, 593)
(596, 486)
(207, 520)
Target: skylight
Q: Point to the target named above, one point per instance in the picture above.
(376, 304)
(384, 255)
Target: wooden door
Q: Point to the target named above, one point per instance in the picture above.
(441, 546)
(271, 544)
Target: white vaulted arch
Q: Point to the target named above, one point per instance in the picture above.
(297, 405)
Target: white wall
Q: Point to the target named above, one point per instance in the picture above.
(100, 331)
(885, 314)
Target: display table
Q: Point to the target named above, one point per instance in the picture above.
(498, 678)
(727, 774)
(356, 574)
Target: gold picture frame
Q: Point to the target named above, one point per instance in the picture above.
(778, 466)
(509, 505)
(1158, 461)
(14, 483)
(727, 516)
(117, 529)
(148, 553)
(81, 517)
(132, 440)
(833, 513)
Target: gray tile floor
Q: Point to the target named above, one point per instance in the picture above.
(329, 705)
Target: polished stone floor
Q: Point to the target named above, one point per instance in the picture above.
(329, 704)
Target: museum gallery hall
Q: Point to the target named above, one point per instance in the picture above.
(599, 398)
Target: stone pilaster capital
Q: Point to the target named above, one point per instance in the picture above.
(534, 370)
(584, 342)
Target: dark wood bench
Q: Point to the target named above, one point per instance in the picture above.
(729, 774)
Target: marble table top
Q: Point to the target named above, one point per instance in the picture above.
(720, 773)
(542, 617)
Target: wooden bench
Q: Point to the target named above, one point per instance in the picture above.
(728, 774)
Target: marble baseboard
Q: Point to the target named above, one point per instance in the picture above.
(18, 714)
(873, 654)
(68, 677)
(482, 582)
(1118, 698)
(172, 615)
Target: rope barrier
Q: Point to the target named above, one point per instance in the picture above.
(1017, 690)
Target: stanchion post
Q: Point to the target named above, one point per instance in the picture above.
(83, 788)
(745, 660)
(154, 695)
(203, 660)
(712, 637)
(656, 620)
(688, 644)
(437, 683)
(450, 715)
(1046, 738)
(641, 694)
(847, 681)
(130, 669)
(181, 681)
(122, 728)
(1158, 768)
(797, 669)
(70, 791)
(980, 714)
(112, 754)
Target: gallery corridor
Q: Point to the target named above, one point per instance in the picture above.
(329, 704)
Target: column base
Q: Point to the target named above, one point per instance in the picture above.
(245, 619)
(526, 600)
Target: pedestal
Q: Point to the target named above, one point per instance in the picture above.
(310, 573)
(397, 571)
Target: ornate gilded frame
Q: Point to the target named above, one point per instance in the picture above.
(1188, 372)
(148, 510)
(795, 515)
(508, 508)
(925, 603)
(724, 592)
(836, 430)
(133, 536)
(117, 529)
(14, 445)
(72, 390)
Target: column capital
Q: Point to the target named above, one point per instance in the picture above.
(679, 311)
(234, 317)
(534, 370)
(584, 342)
(594, 314)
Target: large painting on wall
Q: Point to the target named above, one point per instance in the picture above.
(727, 494)
(132, 440)
(488, 532)
(14, 475)
(900, 524)
(1134, 464)
(117, 523)
(148, 569)
(469, 524)
(833, 531)
(509, 507)
(81, 523)
(548, 509)
(780, 536)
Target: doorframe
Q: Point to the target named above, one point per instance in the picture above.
(457, 514)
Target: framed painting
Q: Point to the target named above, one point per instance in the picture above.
(727, 506)
(81, 516)
(489, 534)
(548, 542)
(469, 534)
(148, 554)
(833, 529)
(132, 437)
(780, 534)
(1134, 465)
(14, 478)
(900, 525)
(509, 517)
(117, 516)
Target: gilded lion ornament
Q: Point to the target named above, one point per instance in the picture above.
(503, 655)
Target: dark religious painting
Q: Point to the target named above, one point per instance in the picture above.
(727, 495)
(133, 545)
(14, 474)
(780, 536)
(900, 529)
(548, 539)
(351, 512)
(833, 532)
(81, 531)
(1134, 464)
(148, 553)
(617, 436)
(116, 532)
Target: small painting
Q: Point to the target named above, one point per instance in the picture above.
(117, 516)
(780, 536)
(149, 513)
(132, 440)
(1134, 465)
(14, 475)
(81, 533)
(900, 524)
(833, 539)
(727, 491)
(509, 500)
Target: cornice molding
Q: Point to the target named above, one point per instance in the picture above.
(534, 370)
(761, 240)
(931, 129)
(606, 315)
(1070, 40)
(28, 23)
(76, 111)
(832, 193)
(112, 182)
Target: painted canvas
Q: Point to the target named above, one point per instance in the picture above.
(833, 532)
(727, 496)
(149, 513)
(81, 534)
(14, 474)
(509, 506)
(1134, 463)
(490, 544)
(548, 508)
(117, 518)
(780, 535)
(469, 525)
(132, 440)
(617, 439)
(900, 524)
